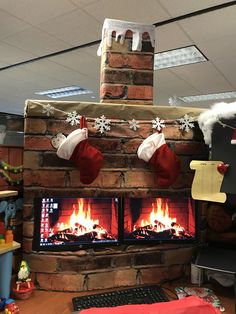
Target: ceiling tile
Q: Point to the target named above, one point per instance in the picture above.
(75, 28)
(62, 74)
(148, 11)
(34, 11)
(10, 25)
(229, 71)
(81, 62)
(169, 37)
(171, 84)
(36, 41)
(181, 7)
(83, 3)
(203, 76)
(91, 50)
(211, 26)
(11, 55)
(220, 48)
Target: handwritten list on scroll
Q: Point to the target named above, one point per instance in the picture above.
(207, 181)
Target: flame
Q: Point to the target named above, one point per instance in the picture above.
(80, 221)
(160, 219)
(159, 214)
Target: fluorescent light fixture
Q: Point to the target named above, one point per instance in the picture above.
(177, 57)
(64, 92)
(217, 96)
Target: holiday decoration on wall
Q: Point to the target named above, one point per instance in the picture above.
(76, 148)
(6, 167)
(156, 152)
(218, 127)
(186, 123)
(48, 109)
(73, 118)
(207, 119)
(103, 124)
(158, 124)
(134, 125)
(207, 181)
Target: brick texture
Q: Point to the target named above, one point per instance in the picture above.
(140, 92)
(123, 173)
(133, 61)
(60, 282)
(46, 263)
(122, 69)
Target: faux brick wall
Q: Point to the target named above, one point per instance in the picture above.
(126, 75)
(122, 173)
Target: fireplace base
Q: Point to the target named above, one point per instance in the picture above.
(109, 268)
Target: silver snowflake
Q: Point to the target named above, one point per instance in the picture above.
(73, 118)
(186, 123)
(48, 109)
(158, 124)
(102, 124)
(134, 125)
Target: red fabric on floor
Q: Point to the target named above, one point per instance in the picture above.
(189, 305)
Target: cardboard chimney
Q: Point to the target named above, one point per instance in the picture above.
(127, 56)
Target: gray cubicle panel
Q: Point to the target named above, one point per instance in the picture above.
(223, 150)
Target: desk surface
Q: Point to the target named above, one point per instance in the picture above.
(8, 193)
(5, 248)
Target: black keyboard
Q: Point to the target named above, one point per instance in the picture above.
(138, 295)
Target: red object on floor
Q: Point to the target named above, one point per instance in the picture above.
(24, 292)
(189, 305)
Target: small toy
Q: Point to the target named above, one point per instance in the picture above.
(8, 236)
(23, 275)
(11, 307)
(23, 287)
(10, 208)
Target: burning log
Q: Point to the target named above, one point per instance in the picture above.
(67, 236)
(148, 232)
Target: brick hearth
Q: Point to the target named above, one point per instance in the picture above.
(123, 173)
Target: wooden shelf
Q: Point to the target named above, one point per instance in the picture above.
(8, 193)
(5, 248)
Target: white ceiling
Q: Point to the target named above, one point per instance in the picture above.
(31, 28)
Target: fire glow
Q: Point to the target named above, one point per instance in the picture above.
(80, 220)
(159, 221)
(79, 223)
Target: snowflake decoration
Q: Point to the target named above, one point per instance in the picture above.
(48, 109)
(186, 123)
(102, 124)
(173, 101)
(158, 124)
(73, 118)
(134, 125)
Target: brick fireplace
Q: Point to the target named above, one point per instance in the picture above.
(126, 93)
(122, 173)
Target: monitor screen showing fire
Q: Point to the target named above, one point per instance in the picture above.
(67, 223)
(159, 219)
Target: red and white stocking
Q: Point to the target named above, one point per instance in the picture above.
(156, 152)
(76, 148)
